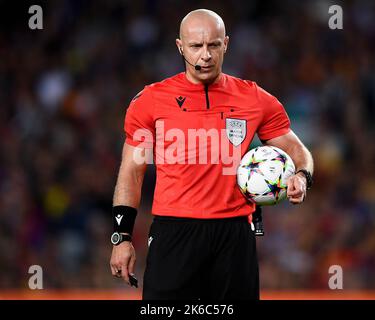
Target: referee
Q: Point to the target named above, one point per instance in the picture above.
(200, 242)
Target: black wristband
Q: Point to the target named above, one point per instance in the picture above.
(124, 219)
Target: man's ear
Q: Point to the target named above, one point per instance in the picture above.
(226, 42)
(179, 46)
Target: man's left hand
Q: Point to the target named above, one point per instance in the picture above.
(296, 191)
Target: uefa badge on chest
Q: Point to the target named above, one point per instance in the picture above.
(236, 130)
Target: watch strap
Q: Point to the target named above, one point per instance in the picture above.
(309, 180)
(126, 237)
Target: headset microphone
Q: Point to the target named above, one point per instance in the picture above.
(196, 66)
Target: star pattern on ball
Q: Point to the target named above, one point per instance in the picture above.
(274, 188)
(282, 159)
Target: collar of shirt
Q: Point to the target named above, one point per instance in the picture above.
(220, 83)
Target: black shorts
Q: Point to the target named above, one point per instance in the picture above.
(201, 259)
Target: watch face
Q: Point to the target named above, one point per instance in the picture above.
(115, 239)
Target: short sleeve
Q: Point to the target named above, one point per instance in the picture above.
(275, 120)
(139, 120)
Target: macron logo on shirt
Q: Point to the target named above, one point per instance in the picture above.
(150, 240)
(180, 101)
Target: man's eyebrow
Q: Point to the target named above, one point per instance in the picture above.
(190, 43)
(215, 41)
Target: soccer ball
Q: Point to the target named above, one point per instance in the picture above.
(263, 174)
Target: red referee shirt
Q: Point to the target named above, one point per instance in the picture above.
(199, 134)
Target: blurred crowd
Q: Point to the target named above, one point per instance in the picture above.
(64, 91)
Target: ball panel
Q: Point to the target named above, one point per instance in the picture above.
(282, 195)
(272, 170)
(248, 158)
(265, 200)
(256, 184)
(242, 177)
(264, 153)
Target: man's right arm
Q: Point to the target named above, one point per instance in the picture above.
(127, 193)
(130, 178)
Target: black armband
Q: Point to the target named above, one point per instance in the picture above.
(124, 219)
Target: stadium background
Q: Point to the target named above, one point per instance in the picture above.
(63, 96)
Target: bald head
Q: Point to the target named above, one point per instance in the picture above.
(200, 18)
(202, 42)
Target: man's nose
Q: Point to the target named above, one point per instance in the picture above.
(206, 55)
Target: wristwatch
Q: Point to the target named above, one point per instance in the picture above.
(117, 238)
(309, 179)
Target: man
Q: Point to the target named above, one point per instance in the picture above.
(200, 244)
